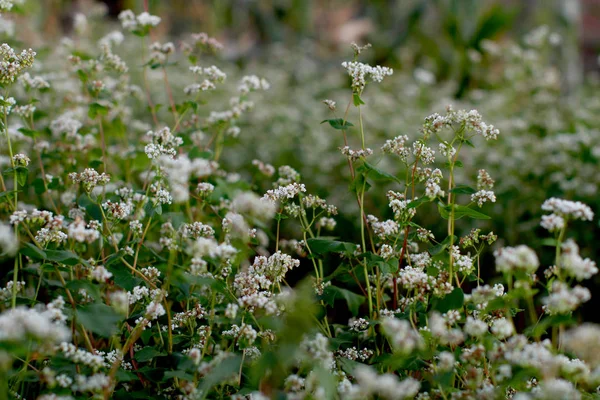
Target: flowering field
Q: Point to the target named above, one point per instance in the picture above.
(176, 226)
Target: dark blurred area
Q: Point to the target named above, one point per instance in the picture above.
(444, 30)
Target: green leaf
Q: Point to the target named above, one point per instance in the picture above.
(28, 132)
(33, 252)
(438, 248)
(38, 185)
(324, 245)
(354, 301)
(463, 189)
(147, 354)
(63, 256)
(357, 100)
(338, 123)
(452, 301)
(460, 211)
(96, 109)
(376, 173)
(100, 319)
(22, 173)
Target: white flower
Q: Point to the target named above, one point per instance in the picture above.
(568, 209)
(552, 222)
(403, 337)
(502, 328)
(574, 265)
(360, 72)
(101, 274)
(520, 258)
(8, 241)
(475, 327)
(483, 196)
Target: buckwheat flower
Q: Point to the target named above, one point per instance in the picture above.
(120, 210)
(475, 327)
(557, 389)
(574, 265)
(163, 196)
(446, 150)
(80, 233)
(25, 111)
(502, 328)
(383, 229)
(360, 72)
(484, 180)
(112, 38)
(154, 310)
(445, 361)
(398, 147)
(205, 188)
(101, 274)
(387, 386)
(316, 349)
(231, 310)
(8, 241)
(512, 259)
(552, 222)
(90, 178)
(402, 211)
(252, 83)
(485, 293)
(358, 324)
(402, 336)
(6, 5)
(7, 104)
(196, 230)
(424, 153)
(330, 104)
(21, 323)
(562, 300)
(584, 342)
(12, 64)
(36, 82)
(386, 251)
(6, 292)
(81, 356)
(483, 196)
(284, 193)
(568, 209)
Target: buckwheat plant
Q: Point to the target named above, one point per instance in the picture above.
(136, 263)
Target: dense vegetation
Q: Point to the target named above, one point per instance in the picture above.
(173, 226)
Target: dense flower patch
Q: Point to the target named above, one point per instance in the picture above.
(137, 264)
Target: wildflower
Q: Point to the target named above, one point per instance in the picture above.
(284, 193)
(484, 181)
(584, 342)
(80, 233)
(8, 241)
(568, 209)
(562, 300)
(475, 327)
(360, 72)
(403, 337)
(483, 196)
(101, 274)
(574, 265)
(502, 328)
(398, 147)
(12, 64)
(90, 178)
(330, 104)
(512, 259)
